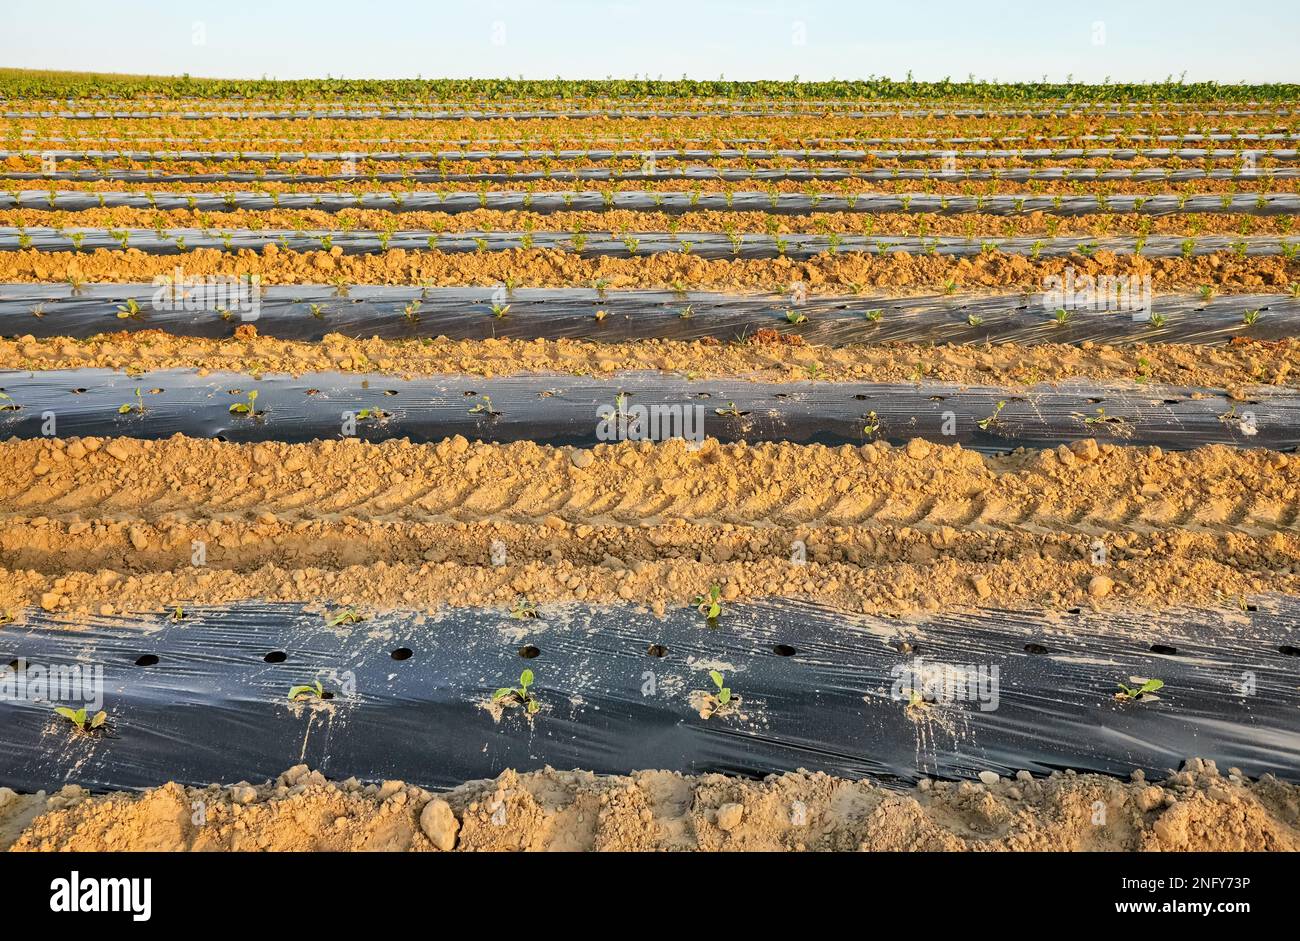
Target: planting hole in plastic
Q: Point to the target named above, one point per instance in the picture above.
(146, 660)
(656, 650)
(1035, 648)
(402, 653)
(1164, 649)
(784, 650)
(276, 656)
(528, 651)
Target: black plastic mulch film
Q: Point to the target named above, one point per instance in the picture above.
(179, 241)
(672, 203)
(206, 699)
(568, 410)
(701, 173)
(309, 312)
(848, 155)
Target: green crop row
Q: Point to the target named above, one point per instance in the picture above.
(23, 83)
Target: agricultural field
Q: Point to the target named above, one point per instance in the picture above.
(623, 465)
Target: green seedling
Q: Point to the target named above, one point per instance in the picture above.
(1250, 317)
(500, 310)
(875, 316)
(709, 605)
(872, 426)
(79, 718)
(1101, 418)
(724, 692)
(523, 610)
(376, 414)
(520, 696)
(1206, 291)
(248, 408)
(986, 423)
(1159, 320)
(730, 411)
(974, 320)
(796, 317)
(346, 616)
(137, 407)
(318, 311)
(485, 407)
(129, 311)
(412, 312)
(1062, 316)
(178, 614)
(1134, 694)
(687, 312)
(7, 404)
(309, 691)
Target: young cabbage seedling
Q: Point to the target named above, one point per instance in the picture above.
(377, 414)
(485, 407)
(724, 692)
(78, 718)
(984, 423)
(874, 316)
(309, 691)
(138, 407)
(520, 696)
(709, 605)
(500, 310)
(248, 408)
(346, 616)
(523, 610)
(1132, 694)
(131, 311)
(796, 317)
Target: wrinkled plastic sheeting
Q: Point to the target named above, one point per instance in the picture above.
(818, 689)
(309, 312)
(702, 172)
(673, 203)
(810, 154)
(630, 244)
(563, 410)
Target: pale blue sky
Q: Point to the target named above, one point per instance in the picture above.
(1143, 40)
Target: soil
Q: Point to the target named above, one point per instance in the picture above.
(1195, 809)
(552, 268)
(95, 527)
(103, 527)
(1236, 366)
(882, 225)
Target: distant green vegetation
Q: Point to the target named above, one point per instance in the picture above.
(26, 83)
